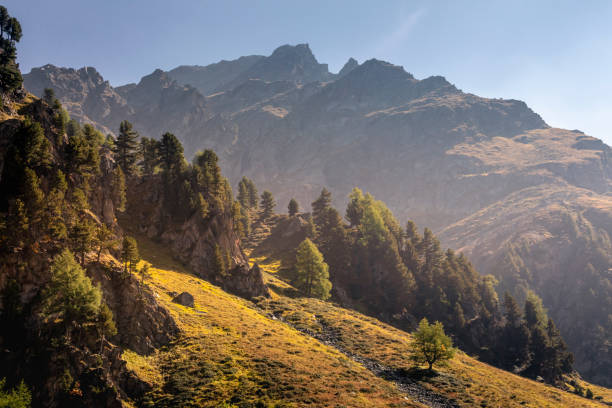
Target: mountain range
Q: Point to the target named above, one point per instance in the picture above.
(527, 203)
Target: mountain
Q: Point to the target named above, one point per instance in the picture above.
(528, 203)
(207, 79)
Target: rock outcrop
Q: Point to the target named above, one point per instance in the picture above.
(185, 299)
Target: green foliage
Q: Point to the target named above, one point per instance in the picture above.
(119, 190)
(10, 33)
(218, 266)
(70, 296)
(104, 239)
(322, 203)
(171, 153)
(129, 253)
(149, 151)
(243, 193)
(267, 204)
(126, 148)
(431, 344)
(293, 207)
(354, 209)
(312, 273)
(106, 323)
(82, 237)
(82, 152)
(535, 314)
(18, 397)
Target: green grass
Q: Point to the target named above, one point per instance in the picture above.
(233, 352)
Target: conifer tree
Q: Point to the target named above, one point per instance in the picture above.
(354, 209)
(431, 344)
(515, 337)
(10, 33)
(119, 191)
(32, 195)
(293, 207)
(320, 205)
(126, 148)
(70, 296)
(267, 204)
(171, 152)
(104, 239)
(311, 271)
(149, 151)
(218, 262)
(252, 194)
(243, 193)
(81, 237)
(129, 254)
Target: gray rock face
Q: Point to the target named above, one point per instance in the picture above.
(185, 299)
(209, 78)
(348, 67)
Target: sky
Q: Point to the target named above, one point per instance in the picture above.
(555, 55)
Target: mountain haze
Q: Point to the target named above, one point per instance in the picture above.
(526, 202)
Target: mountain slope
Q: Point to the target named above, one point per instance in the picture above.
(433, 153)
(261, 353)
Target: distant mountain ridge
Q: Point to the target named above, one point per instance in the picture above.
(463, 165)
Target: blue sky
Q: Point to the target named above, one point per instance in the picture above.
(555, 55)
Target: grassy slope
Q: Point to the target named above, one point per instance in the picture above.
(233, 352)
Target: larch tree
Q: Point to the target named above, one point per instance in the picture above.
(431, 345)
(312, 273)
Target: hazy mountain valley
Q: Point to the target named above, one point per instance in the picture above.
(146, 258)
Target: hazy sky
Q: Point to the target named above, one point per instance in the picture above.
(555, 55)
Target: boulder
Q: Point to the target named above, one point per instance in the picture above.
(185, 299)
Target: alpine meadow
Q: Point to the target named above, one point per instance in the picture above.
(267, 231)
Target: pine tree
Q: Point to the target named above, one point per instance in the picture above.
(208, 162)
(243, 193)
(293, 207)
(49, 96)
(252, 194)
(354, 209)
(104, 239)
(515, 336)
(126, 148)
(81, 237)
(129, 254)
(70, 295)
(119, 191)
(267, 204)
(320, 205)
(32, 195)
(171, 152)
(311, 271)
(535, 314)
(149, 151)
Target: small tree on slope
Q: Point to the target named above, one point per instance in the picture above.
(312, 271)
(431, 344)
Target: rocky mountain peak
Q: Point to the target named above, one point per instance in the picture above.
(348, 67)
(287, 63)
(157, 78)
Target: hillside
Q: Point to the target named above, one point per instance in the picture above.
(434, 154)
(264, 354)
